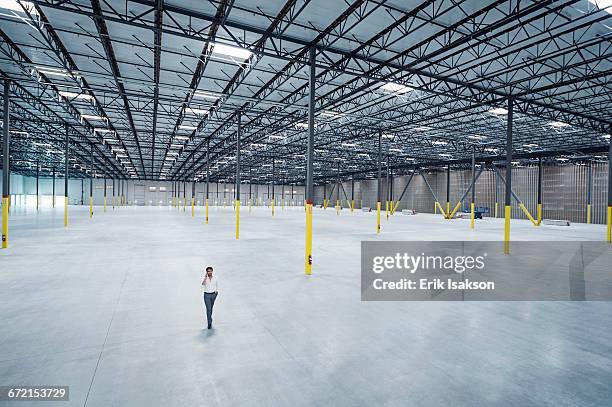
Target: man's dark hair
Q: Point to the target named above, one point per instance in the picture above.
(209, 269)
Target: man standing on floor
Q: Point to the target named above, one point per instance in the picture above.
(211, 289)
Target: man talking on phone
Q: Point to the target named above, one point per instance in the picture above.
(210, 287)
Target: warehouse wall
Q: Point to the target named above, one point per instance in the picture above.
(23, 190)
(564, 191)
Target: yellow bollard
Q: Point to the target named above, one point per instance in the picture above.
(539, 214)
(378, 217)
(90, 207)
(308, 256)
(5, 220)
(472, 215)
(588, 214)
(192, 207)
(272, 204)
(206, 210)
(237, 205)
(507, 214)
(66, 212)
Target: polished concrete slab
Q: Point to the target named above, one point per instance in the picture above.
(112, 307)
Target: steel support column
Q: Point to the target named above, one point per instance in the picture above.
(448, 210)
(609, 229)
(309, 190)
(539, 208)
(237, 187)
(589, 189)
(379, 185)
(207, 175)
(6, 173)
(66, 166)
(37, 185)
(91, 175)
(508, 194)
(472, 214)
(53, 188)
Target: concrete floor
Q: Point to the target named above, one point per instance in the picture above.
(112, 307)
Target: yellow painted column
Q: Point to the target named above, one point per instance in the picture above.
(104, 204)
(435, 208)
(66, 212)
(237, 204)
(5, 220)
(206, 210)
(588, 213)
(90, 207)
(387, 210)
(337, 207)
(609, 224)
(184, 204)
(378, 217)
(308, 254)
(539, 215)
(192, 207)
(448, 211)
(352, 205)
(272, 204)
(472, 215)
(496, 205)
(249, 206)
(283, 204)
(507, 214)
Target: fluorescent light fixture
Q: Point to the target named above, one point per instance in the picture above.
(422, 128)
(603, 4)
(301, 125)
(102, 130)
(562, 159)
(498, 111)
(21, 133)
(14, 6)
(176, 146)
(57, 72)
(477, 137)
(206, 95)
(530, 145)
(339, 159)
(386, 135)
(439, 143)
(392, 87)
(74, 95)
(198, 112)
(329, 113)
(409, 159)
(277, 137)
(348, 144)
(445, 155)
(172, 153)
(91, 117)
(186, 127)
(558, 125)
(397, 150)
(230, 51)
